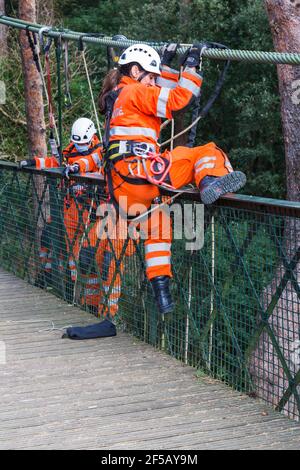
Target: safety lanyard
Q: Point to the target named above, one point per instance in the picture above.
(58, 49)
(67, 93)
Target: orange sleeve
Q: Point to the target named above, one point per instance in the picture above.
(47, 162)
(169, 77)
(162, 102)
(90, 163)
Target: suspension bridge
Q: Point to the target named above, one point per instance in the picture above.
(222, 372)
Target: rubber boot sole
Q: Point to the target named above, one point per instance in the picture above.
(225, 184)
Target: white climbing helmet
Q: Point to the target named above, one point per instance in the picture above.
(83, 130)
(144, 55)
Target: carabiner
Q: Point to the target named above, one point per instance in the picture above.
(45, 29)
(201, 57)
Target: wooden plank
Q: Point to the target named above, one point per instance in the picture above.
(113, 393)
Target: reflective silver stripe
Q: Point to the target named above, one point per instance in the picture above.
(204, 160)
(116, 290)
(157, 247)
(192, 72)
(146, 131)
(42, 163)
(159, 261)
(72, 263)
(86, 162)
(96, 159)
(43, 255)
(164, 82)
(162, 102)
(189, 85)
(90, 292)
(113, 301)
(92, 281)
(48, 265)
(203, 167)
(166, 68)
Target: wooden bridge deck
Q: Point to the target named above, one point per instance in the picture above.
(113, 393)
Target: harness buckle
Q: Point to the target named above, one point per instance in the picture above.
(142, 149)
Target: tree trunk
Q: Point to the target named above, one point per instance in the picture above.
(33, 87)
(266, 367)
(3, 32)
(36, 129)
(284, 17)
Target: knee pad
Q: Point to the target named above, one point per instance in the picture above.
(86, 259)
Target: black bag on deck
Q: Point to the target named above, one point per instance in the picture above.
(98, 330)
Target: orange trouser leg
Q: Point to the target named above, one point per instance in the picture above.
(109, 248)
(91, 291)
(158, 232)
(110, 280)
(191, 165)
(74, 225)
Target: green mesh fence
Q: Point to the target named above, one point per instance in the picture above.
(237, 298)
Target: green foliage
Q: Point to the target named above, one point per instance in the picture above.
(246, 119)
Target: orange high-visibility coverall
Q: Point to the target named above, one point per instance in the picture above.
(137, 117)
(77, 221)
(105, 235)
(45, 253)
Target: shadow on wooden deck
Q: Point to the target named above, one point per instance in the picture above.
(112, 393)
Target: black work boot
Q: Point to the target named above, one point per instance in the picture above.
(162, 294)
(211, 187)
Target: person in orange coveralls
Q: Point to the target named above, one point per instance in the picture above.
(82, 155)
(134, 99)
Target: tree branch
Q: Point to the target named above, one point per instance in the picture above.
(19, 122)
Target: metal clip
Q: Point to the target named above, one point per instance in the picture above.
(201, 57)
(45, 48)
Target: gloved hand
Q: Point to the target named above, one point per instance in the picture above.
(27, 163)
(192, 57)
(168, 52)
(71, 169)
